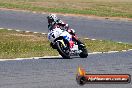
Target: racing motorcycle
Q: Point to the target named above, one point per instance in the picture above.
(66, 44)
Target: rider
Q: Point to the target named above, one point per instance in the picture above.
(53, 20)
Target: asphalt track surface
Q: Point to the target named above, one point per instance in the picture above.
(92, 28)
(58, 72)
(61, 73)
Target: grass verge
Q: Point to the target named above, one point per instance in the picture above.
(111, 8)
(15, 44)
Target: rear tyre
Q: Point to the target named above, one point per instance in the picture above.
(64, 52)
(84, 52)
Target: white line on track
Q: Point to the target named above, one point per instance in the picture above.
(124, 50)
(44, 57)
(27, 31)
(113, 51)
(9, 29)
(35, 32)
(95, 53)
(44, 33)
(86, 38)
(1, 28)
(120, 42)
(18, 30)
(59, 55)
(93, 39)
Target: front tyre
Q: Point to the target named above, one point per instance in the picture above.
(63, 51)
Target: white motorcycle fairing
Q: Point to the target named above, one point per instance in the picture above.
(53, 34)
(65, 45)
(57, 32)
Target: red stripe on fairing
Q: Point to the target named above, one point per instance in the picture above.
(71, 44)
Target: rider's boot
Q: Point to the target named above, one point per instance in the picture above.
(79, 43)
(52, 45)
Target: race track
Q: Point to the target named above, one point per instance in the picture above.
(58, 72)
(99, 29)
(61, 73)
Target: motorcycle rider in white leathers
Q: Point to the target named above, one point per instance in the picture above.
(53, 20)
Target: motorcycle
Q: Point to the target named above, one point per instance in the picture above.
(65, 44)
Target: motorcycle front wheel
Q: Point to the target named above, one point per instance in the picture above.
(63, 50)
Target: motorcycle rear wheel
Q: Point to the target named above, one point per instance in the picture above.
(84, 52)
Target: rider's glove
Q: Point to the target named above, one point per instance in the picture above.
(66, 26)
(71, 31)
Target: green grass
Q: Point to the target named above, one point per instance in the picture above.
(21, 44)
(111, 8)
(106, 45)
